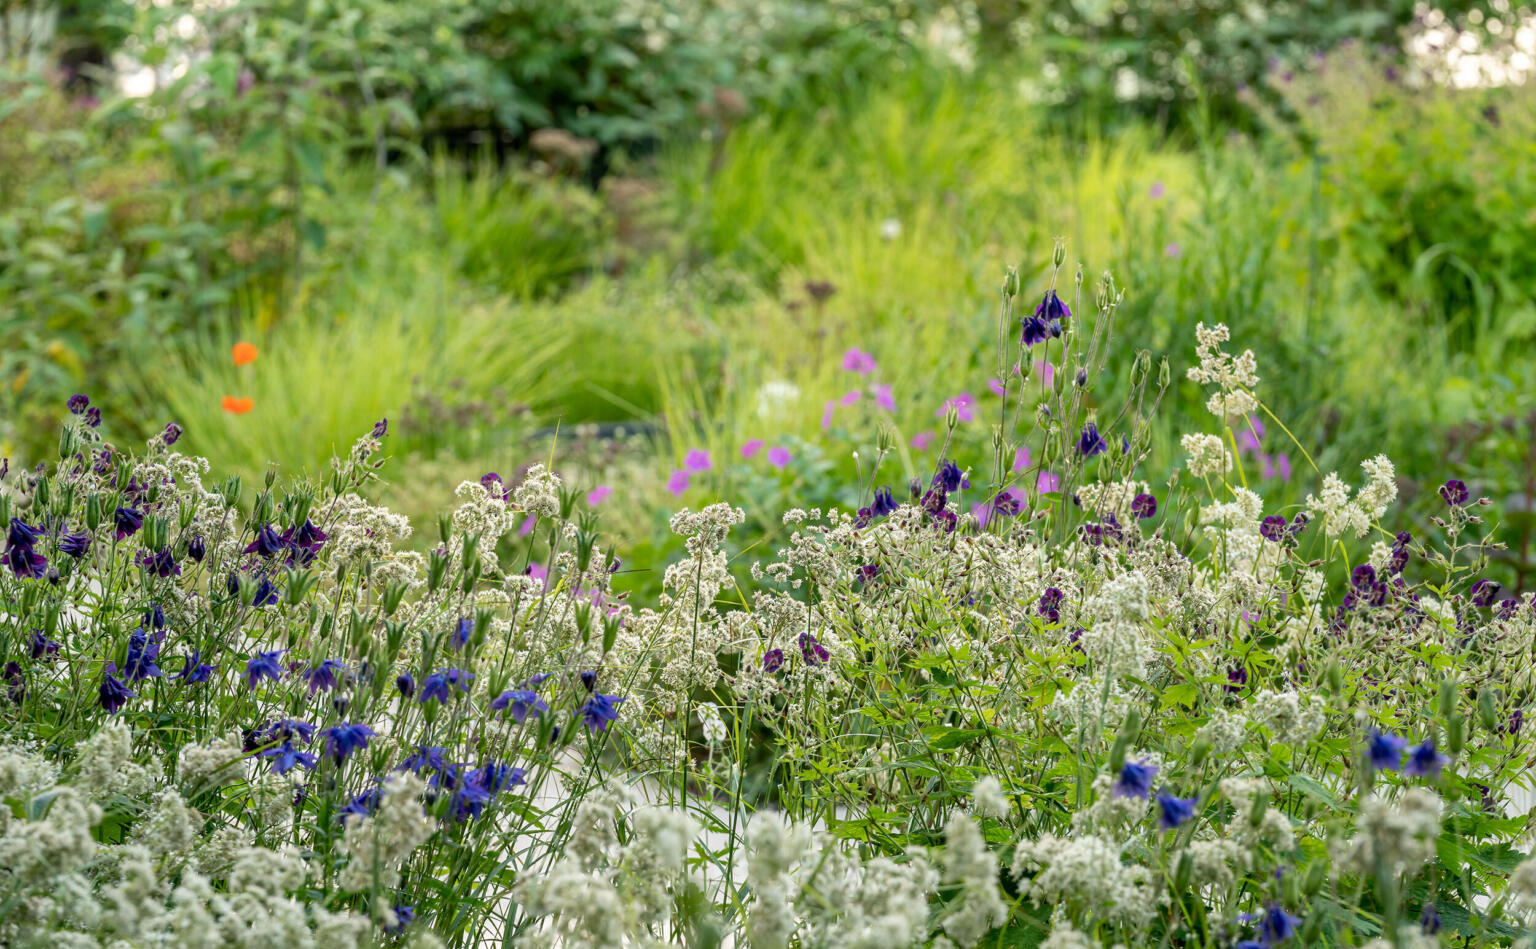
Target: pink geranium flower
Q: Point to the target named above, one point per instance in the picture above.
(922, 440)
(1021, 459)
(964, 405)
(697, 460)
(678, 482)
(778, 456)
(1047, 483)
(857, 360)
(850, 398)
(884, 399)
(752, 447)
(598, 495)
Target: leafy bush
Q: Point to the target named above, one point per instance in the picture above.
(1104, 714)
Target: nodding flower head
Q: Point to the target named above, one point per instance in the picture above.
(21, 534)
(197, 548)
(519, 704)
(194, 670)
(1090, 442)
(1276, 925)
(1035, 331)
(1053, 310)
(813, 652)
(322, 678)
(437, 685)
(1362, 576)
(1429, 919)
(266, 593)
(1484, 592)
(1144, 506)
(114, 693)
(285, 758)
(1385, 750)
(773, 660)
(161, 564)
(461, 631)
(127, 520)
(381, 428)
(949, 477)
(344, 739)
(25, 562)
(1006, 504)
(171, 435)
(41, 647)
(599, 710)
(263, 665)
(76, 545)
(1135, 779)
(78, 403)
(405, 684)
(1174, 811)
(143, 651)
(1455, 492)
(1425, 761)
(268, 542)
(883, 504)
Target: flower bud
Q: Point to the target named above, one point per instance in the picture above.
(1486, 711)
(1011, 283)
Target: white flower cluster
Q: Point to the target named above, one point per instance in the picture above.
(1399, 835)
(1234, 376)
(1208, 455)
(1086, 876)
(376, 845)
(1341, 514)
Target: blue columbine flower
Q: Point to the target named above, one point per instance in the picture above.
(1429, 919)
(268, 543)
(342, 740)
(21, 534)
(114, 693)
(128, 520)
(285, 757)
(143, 650)
(1174, 811)
(41, 647)
(425, 758)
(406, 684)
(1386, 750)
(437, 684)
(519, 703)
(404, 916)
(588, 680)
(76, 545)
(263, 665)
(1053, 309)
(194, 670)
(1425, 761)
(161, 564)
(1090, 442)
(1035, 330)
(1136, 779)
(599, 710)
(1276, 925)
(322, 678)
(883, 504)
(363, 805)
(266, 593)
(461, 632)
(305, 541)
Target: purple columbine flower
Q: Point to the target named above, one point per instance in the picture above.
(404, 916)
(1386, 750)
(344, 739)
(588, 680)
(460, 637)
(171, 435)
(266, 593)
(1135, 779)
(78, 403)
(197, 548)
(949, 477)
(322, 678)
(305, 541)
(883, 504)
(519, 704)
(143, 651)
(436, 686)
(424, 758)
(21, 534)
(154, 617)
(268, 542)
(1429, 919)
(114, 693)
(41, 647)
(15, 682)
(1174, 811)
(1425, 761)
(76, 545)
(1455, 492)
(263, 665)
(1090, 442)
(285, 758)
(162, 564)
(773, 660)
(1144, 506)
(128, 520)
(25, 562)
(1276, 925)
(599, 710)
(1053, 310)
(405, 684)
(194, 670)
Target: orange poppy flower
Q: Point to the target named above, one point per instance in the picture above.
(238, 406)
(244, 353)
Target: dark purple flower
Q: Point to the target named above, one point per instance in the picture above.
(268, 542)
(588, 680)
(322, 678)
(266, 594)
(194, 670)
(1484, 592)
(1006, 505)
(263, 665)
(93, 417)
(1455, 492)
(519, 703)
(21, 534)
(1516, 719)
(76, 545)
(493, 485)
(949, 477)
(161, 564)
(1035, 330)
(1144, 506)
(78, 403)
(1363, 576)
(143, 651)
(1135, 779)
(25, 562)
(42, 647)
(344, 739)
(128, 521)
(773, 660)
(114, 693)
(1237, 678)
(1174, 811)
(1053, 310)
(362, 805)
(1090, 442)
(172, 434)
(461, 631)
(405, 684)
(812, 651)
(1272, 528)
(883, 504)
(286, 729)
(404, 916)
(867, 573)
(381, 428)
(599, 710)
(305, 541)
(285, 758)
(1429, 919)
(424, 758)
(197, 548)
(1425, 761)
(1386, 750)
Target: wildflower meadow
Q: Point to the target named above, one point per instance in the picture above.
(608, 474)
